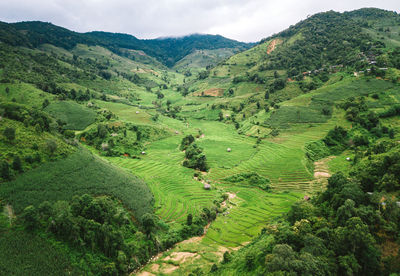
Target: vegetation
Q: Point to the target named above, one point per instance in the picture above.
(79, 173)
(115, 149)
(72, 115)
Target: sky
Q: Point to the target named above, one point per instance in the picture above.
(243, 20)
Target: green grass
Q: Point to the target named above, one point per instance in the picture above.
(80, 173)
(76, 117)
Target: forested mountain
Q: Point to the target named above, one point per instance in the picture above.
(166, 50)
(198, 155)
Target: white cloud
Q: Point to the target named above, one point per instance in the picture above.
(243, 20)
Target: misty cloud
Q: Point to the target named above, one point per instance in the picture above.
(249, 20)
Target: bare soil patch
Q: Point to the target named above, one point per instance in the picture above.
(271, 46)
(213, 92)
(145, 273)
(169, 268)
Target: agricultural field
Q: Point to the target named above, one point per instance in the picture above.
(176, 156)
(40, 258)
(75, 116)
(79, 173)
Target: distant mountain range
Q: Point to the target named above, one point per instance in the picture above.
(167, 50)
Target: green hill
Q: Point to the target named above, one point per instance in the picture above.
(77, 174)
(166, 50)
(100, 135)
(75, 116)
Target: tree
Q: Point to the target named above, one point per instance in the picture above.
(220, 116)
(45, 103)
(51, 146)
(102, 131)
(148, 223)
(5, 170)
(30, 217)
(186, 141)
(227, 257)
(17, 164)
(9, 133)
(189, 219)
(300, 210)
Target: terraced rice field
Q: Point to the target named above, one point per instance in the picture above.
(281, 160)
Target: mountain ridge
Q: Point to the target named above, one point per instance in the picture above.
(166, 50)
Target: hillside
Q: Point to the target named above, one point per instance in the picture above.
(166, 50)
(197, 155)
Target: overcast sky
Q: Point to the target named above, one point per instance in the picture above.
(244, 20)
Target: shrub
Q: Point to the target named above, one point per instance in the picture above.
(9, 133)
(17, 164)
(186, 141)
(5, 170)
(51, 146)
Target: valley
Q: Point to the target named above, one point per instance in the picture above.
(201, 155)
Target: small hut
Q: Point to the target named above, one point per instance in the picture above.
(137, 112)
(348, 159)
(143, 152)
(207, 186)
(176, 132)
(228, 149)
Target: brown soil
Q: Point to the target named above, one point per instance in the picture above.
(213, 92)
(183, 257)
(321, 174)
(155, 267)
(169, 268)
(145, 273)
(272, 45)
(321, 170)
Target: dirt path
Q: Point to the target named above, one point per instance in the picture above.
(181, 256)
(10, 213)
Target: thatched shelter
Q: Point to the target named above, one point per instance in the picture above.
(207, 186)
(228, 149)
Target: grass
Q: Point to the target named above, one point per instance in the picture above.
(80, 173)
(175, 191)
(76, 117)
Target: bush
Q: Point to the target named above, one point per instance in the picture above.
(5, 170)
(51, 146)
(9, 133)
(186, 142)
(17, 164)
(252, 179)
